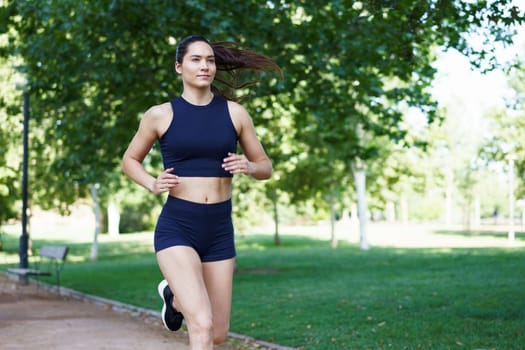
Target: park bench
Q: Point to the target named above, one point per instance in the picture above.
(50, 261)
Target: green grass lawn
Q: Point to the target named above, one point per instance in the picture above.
(305, 294)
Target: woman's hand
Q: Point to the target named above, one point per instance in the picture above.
(164, 182)
(237, 164)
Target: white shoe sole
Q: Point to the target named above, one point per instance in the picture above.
(160, 289)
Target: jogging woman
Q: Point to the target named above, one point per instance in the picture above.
(198, 133)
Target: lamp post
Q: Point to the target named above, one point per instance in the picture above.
(24, 238)
(511, 158)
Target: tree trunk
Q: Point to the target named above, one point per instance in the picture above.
(468, 215)
(96, 210)
(113, 218)
(403, 208)
(390, 212)
(277, 238)
(360, 182)
(477, 212)
(333, 239)
(449, 204)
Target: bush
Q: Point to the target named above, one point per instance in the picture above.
(137, 217)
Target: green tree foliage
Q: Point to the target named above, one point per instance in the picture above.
(95, 66)
(360, 64)
(10, 134)
(507, 139)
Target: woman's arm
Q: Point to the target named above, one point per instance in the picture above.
(254, 161)
(139, 147)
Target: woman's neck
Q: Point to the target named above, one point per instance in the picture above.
(198, 98)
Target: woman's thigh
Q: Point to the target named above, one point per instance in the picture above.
(182, 268)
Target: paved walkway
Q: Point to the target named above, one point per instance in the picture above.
(31, 317)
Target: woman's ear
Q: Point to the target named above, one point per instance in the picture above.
(178, 67)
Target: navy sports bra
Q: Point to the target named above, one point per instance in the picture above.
(198, 138)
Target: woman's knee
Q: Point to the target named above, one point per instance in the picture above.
(201, 324)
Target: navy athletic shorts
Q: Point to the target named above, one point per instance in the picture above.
(207, 228)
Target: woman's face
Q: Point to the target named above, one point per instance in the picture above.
(198, 65)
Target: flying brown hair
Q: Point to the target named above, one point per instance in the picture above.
(237, 67)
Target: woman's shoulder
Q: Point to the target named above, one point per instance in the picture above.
(157, 113)
(157, 117)
(236, 109)
(239, 115)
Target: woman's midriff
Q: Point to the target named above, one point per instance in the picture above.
(203, 189)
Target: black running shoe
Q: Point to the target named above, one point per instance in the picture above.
(171, 318)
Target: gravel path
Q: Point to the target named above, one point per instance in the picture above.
(32, 317)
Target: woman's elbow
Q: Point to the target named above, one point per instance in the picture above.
(125, 164)
(265, 175)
